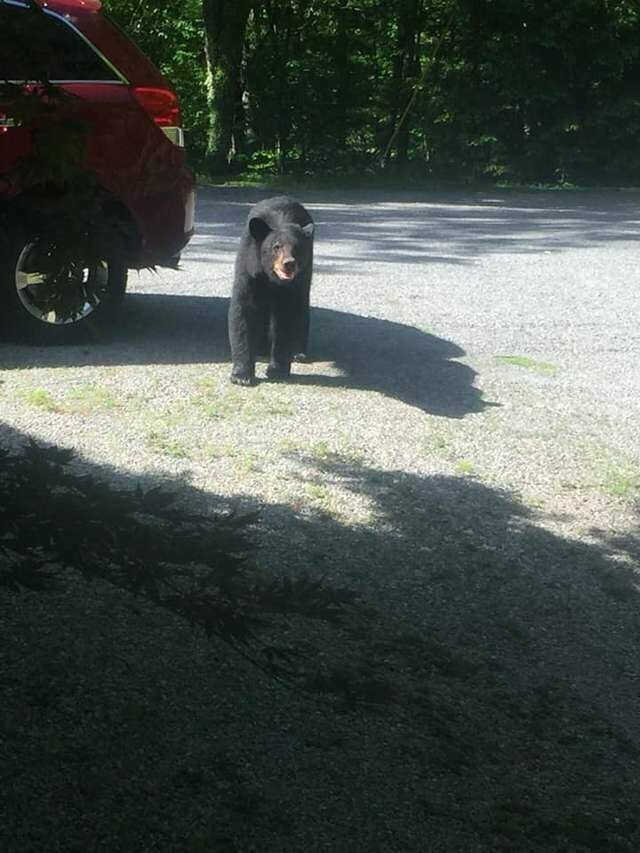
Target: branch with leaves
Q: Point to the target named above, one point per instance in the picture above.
(199, 567)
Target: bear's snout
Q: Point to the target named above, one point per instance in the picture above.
(286, 268)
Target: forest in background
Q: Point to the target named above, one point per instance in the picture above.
(516, 91)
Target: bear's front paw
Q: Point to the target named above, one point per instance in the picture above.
(242, 377)
(278, 371)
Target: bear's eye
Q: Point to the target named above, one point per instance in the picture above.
(277, 247)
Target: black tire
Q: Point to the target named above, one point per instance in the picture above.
(80, 302)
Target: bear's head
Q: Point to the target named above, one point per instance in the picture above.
(285, 251)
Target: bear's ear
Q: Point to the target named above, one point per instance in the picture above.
(308, 229)
(258, 228)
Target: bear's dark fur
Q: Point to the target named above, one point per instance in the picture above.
(271, 289)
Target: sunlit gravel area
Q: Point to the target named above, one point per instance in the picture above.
(463, 451)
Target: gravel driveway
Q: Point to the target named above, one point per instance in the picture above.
(464, 451)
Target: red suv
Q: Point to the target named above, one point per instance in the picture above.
(132, 155)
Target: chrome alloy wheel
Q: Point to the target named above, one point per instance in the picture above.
(60, 296)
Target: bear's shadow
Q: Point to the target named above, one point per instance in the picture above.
(392, 359)
(389, 358)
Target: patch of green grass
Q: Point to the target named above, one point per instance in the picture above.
(464, 466)
(231, 402)
(86, 399)
(81, 400)
(217, 451)
(536, 503)
(170, 418)
(436, 442)
(248, 462)
(222, 406)
(288, 445)
(320, 450)
(542, 367)
(279, 409)
(323, 452)
(42, 399)
(319, 493)
(351, 456)
(161, 442)
(622, 482)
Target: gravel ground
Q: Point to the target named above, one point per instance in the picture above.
(463, 451)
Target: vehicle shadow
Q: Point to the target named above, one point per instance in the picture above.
(390, 358)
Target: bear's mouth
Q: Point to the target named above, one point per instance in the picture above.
(286, 272)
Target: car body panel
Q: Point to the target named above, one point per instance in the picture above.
(129, 154)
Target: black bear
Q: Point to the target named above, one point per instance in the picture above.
(271, 287)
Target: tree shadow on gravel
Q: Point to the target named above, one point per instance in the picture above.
(490, 690)
(414, 227)
(515, 651)
(392, 359)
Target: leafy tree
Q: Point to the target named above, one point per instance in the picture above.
(171, 32)
(527, 90)
(225, 29)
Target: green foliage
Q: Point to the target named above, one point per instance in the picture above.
(516, 90)
(171, 32)
(536, 91)
(311, 78)
(543, 367)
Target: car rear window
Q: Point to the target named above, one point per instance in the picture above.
(39, 45)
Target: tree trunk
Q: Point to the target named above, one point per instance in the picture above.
(405, 72)
(225, 27)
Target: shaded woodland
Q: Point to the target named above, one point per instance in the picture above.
(529, 91)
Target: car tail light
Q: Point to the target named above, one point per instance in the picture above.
(6, 122)
(161, 105)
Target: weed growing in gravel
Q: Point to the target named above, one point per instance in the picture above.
(248, 463)
(42, 399)
(275, 408)
(543, 367)
(166, 445)
(87, 399)
(322, 452)
(216, 402)
(351, 456)
(437, 443)
(219, 407)
(288, 445)
(213, 452)
(170, 418)
(622, 482)
(464, 466)
(320, 494)
(82, 400)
